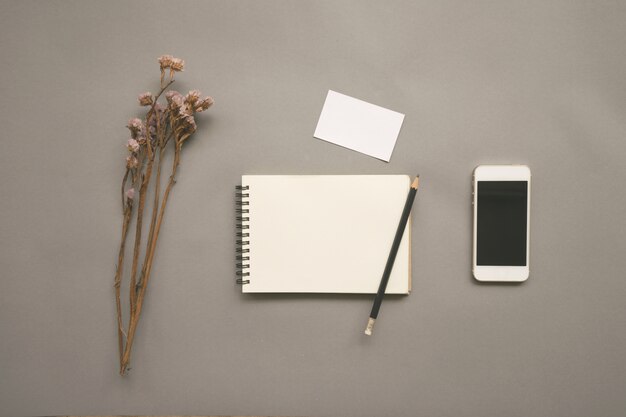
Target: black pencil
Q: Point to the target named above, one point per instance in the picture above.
(392, 256)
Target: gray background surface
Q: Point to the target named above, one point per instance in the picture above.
(536, 82)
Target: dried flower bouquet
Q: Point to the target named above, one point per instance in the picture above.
(164, 127)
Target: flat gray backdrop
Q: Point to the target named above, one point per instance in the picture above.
(541, 83)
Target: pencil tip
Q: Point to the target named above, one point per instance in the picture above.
(416, 182)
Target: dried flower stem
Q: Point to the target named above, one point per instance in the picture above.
(147, 146)
(135, 304)
(142, 196)
(142, 202)
(155, 209)
(148, 266)
(124, 185)
(118, 276)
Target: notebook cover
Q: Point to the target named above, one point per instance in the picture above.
(323, 233)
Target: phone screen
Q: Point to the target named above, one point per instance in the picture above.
(502, 223)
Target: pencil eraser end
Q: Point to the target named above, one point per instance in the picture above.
(370, 326)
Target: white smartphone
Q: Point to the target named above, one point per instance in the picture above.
(501, 201)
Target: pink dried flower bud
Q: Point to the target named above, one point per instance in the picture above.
(141, 140)
(204, 104)
(171, 94)
(189, 123)
(185, 111)
(165, 61)
(178, 101)
(178, 106)
(177, 64)
(145, 99)
(136, 127)
(133, 145)
(132, 162)
(135, 123)
(192, 97)
(130, 193)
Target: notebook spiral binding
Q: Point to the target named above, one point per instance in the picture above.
(242, 250)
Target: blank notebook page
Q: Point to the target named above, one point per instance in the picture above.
(325, 233)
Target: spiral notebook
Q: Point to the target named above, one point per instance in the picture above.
(320, 233)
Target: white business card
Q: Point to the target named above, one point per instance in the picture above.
(359, 125)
